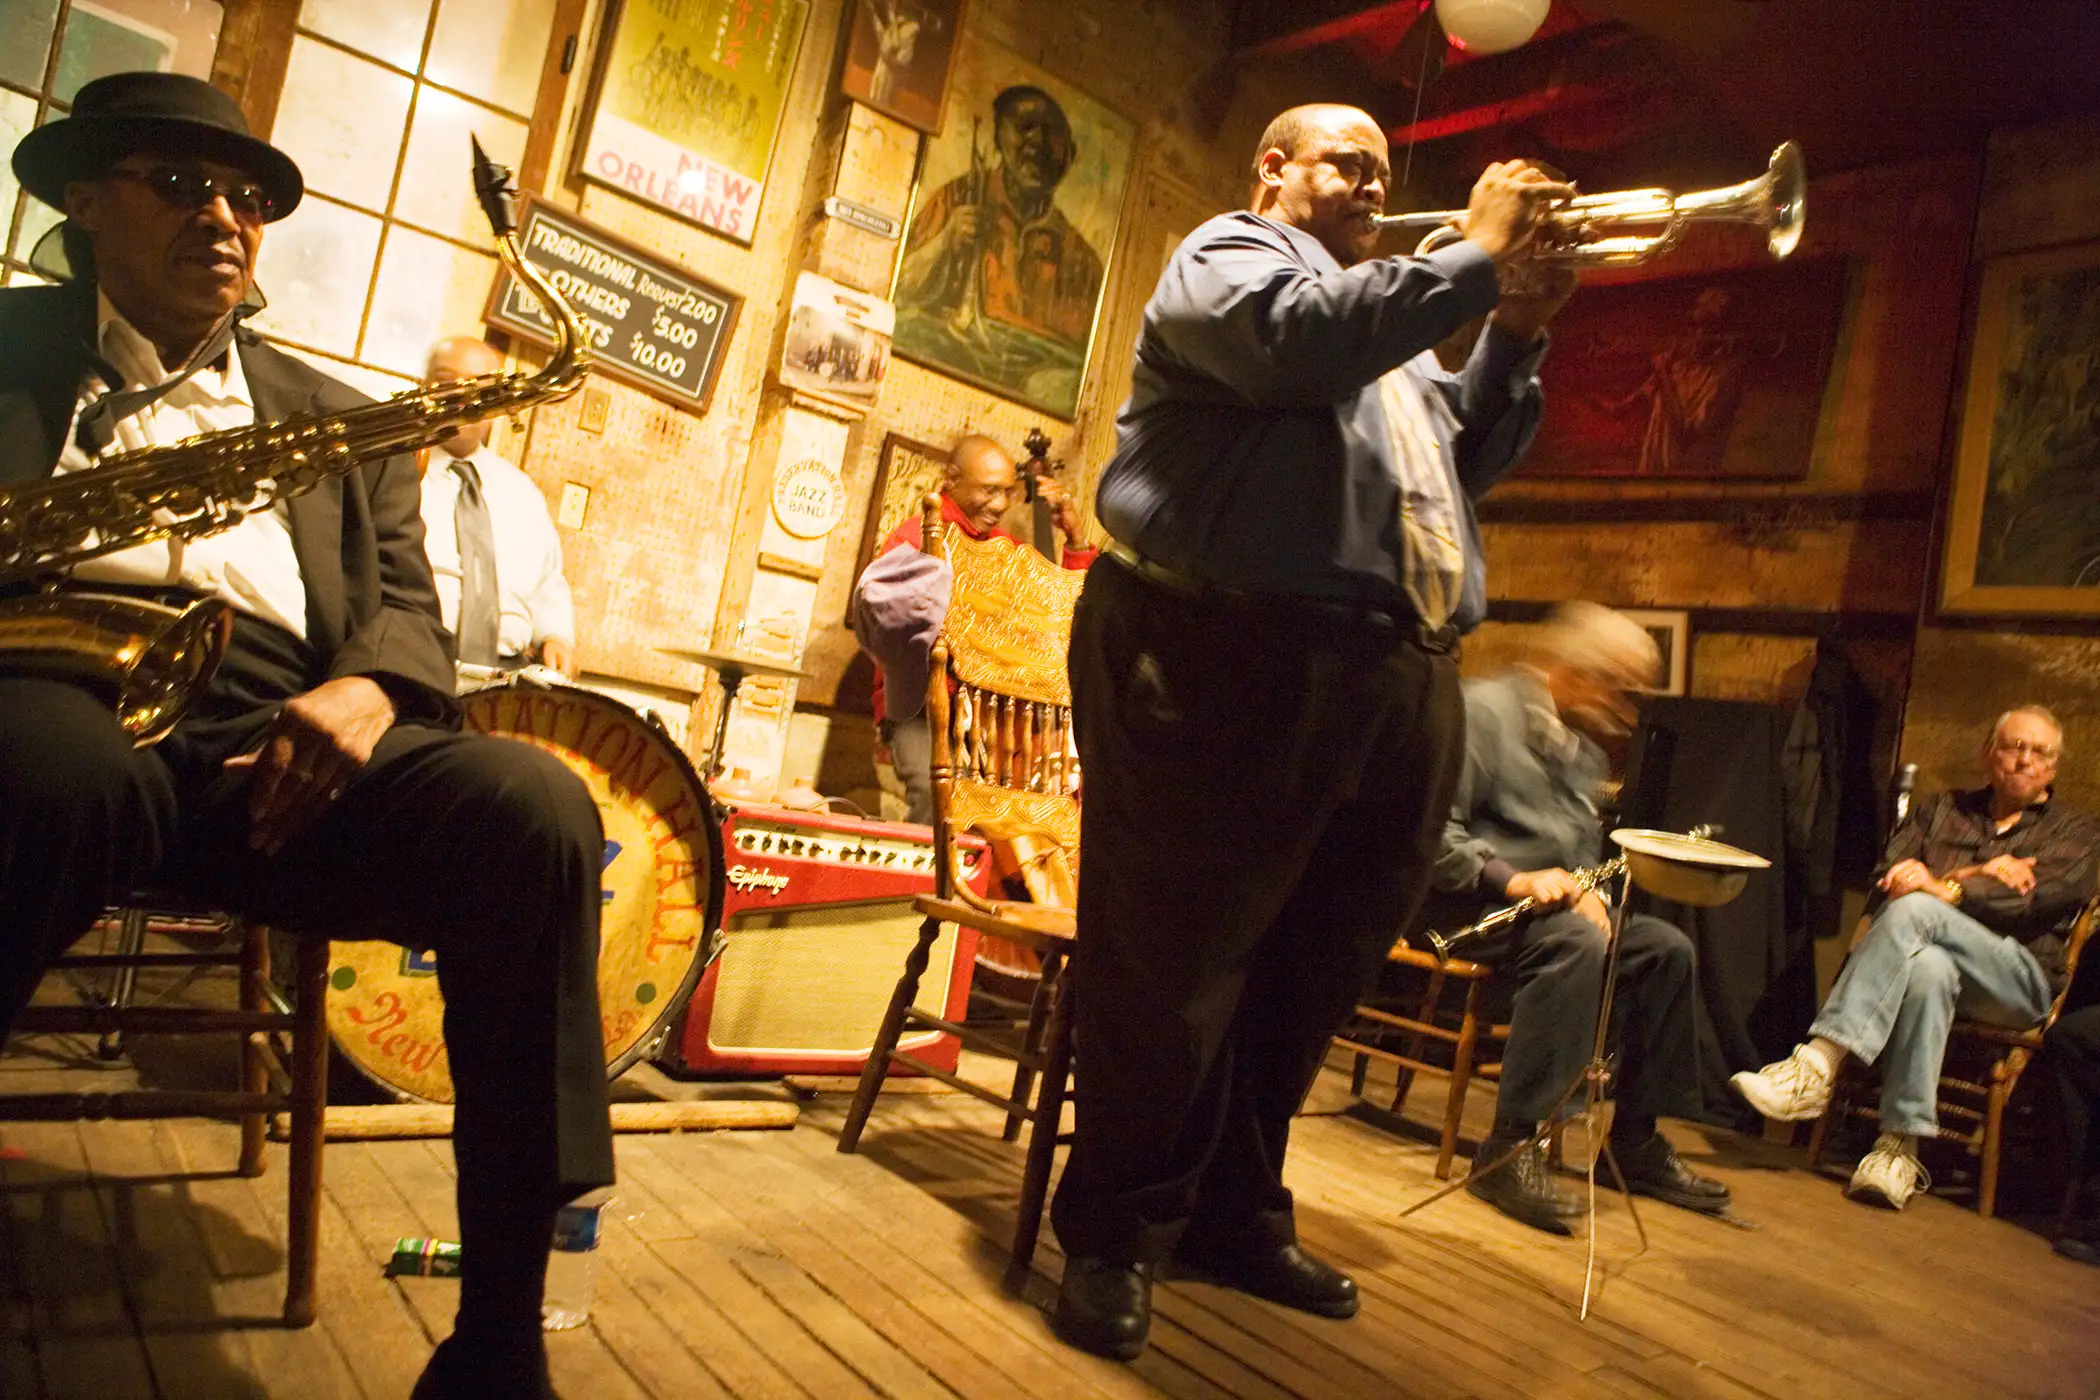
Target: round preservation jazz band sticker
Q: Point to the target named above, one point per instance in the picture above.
(809, 499)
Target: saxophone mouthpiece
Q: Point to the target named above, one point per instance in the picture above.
(495, 189)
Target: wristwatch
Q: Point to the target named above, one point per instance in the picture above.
(1953, 888)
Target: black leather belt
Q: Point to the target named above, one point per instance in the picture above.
(1367, 616)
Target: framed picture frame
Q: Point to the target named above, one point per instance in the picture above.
(837, 343)
(898, 58)
(648, 321)
(1671, 629)
(906, 470)
(1713, 376)
(1006, 252)
(2023, 520)
(685, 104)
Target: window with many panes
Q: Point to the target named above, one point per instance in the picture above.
(49, 48)
(390, 251)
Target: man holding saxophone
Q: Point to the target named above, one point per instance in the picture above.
(319, 782)
(1523, 825)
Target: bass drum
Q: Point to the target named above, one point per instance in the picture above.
(662, 911)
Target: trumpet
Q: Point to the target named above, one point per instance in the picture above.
(1585, 232)
(1586, 879)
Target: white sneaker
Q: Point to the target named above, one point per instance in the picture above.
(1890, 1174)
(1791, 1090)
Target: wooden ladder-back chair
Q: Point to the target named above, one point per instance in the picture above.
(1971, 1111)
(1005, 767)
(292, 1080)
(1469, 1037)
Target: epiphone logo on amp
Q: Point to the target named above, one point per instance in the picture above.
(750, 877)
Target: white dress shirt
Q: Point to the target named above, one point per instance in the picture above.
(252, 566)
(534, 596)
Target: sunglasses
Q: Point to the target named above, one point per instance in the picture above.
(189, 190)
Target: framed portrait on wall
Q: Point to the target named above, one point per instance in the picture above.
(685, 105)
(1006, 251)
(1671, 631)
(1714, 376)
(905, 472)
(2023, 526)
(898, 57)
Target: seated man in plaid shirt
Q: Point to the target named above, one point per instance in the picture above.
(1979, 887)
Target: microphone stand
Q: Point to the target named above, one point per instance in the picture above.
(1591, 1085)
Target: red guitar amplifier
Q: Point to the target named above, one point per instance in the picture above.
(817, 921)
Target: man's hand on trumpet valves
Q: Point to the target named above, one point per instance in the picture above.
(1508, 202)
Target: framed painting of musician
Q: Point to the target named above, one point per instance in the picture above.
(1006, 250)
(898, 58)
(1718, 376)
(2023, 525)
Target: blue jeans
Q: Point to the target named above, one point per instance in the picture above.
(1921, 962)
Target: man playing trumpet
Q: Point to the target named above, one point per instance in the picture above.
(1523, 820)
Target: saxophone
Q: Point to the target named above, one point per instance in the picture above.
(149, 661)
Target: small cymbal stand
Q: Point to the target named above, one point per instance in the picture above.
(1591, 1084)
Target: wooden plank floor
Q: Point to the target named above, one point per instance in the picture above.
(768, 1265)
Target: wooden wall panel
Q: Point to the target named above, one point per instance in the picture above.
(1868, 566)
(1735, 666)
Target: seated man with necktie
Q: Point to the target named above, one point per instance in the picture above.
(491, 540)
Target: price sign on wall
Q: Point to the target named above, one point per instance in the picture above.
(645, 321)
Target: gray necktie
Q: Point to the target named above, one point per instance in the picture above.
(479, 608)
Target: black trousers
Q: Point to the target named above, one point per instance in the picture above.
(484, 850)
(1265, 786)
(2072, 1049)
(1555, 963)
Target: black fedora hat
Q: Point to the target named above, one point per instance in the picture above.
(164, 114)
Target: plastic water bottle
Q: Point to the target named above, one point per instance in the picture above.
(572, 1263)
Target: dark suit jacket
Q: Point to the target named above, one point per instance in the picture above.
(371, 608)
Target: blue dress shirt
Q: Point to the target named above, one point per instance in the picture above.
(1253, 452)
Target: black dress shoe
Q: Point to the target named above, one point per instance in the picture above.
(1520, 1188)
(1655, 1169)
(460, 1371)
(1104, 1306)
(1282, 1274)
(2084, 1251)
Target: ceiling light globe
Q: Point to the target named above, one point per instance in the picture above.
(1491, 26)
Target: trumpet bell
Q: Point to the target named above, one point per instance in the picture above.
(1686, 869)
(1776, 201)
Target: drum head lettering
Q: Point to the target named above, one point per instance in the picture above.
(660, 893)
